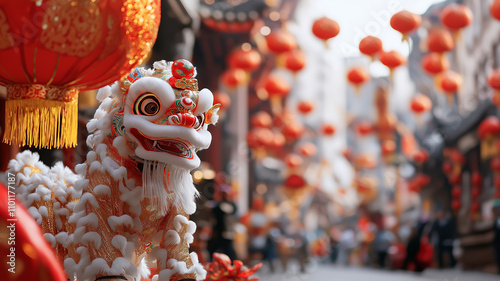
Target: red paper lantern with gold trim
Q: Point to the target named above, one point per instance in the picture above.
(295, 60)
(434, 63)
(233, 77)
(50, 50)
(450, 82)
(248, 60)
(440, 41)
(276, 86)
(357, 76)
(420, 104)
(392, 59)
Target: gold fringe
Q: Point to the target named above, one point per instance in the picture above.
(41, 123)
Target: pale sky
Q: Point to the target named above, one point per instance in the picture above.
(359, 18)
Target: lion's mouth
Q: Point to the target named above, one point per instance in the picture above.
(174, 146)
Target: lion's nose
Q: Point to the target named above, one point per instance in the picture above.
(182, 119)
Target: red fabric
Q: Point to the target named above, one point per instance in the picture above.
(425, 254)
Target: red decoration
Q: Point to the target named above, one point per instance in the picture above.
(420, 156)
(248, 60)
(455, 16)
(364, 128)
(307, 149)
(475, 193)
(392, 59)
(325, 28)
(305, 107)
(233, 77)
(222, 270)
(494, 79)
(450, 82)
(328, 129)
(422, 180)
(278, 141)
(476, 179)
(295, 182)
(292, 131)
(420, 104)
(261, 119)
(434, 63)
(455, 179)
(276, 86)
(32, 258)
(388, 147)
(496, 182)
(223, 99)
(370, 46)
(293, 160)
(182, 69)
(405, 22)
(57, 48)
(489, 127)
(447, 167)
(260, 138)
(495, 9)
(440, 41)
(475, 207)
(365, 161)
(357, 76)
(280, 42)
(495, 164)
(455, 205)
(456, 191)
(295, 60)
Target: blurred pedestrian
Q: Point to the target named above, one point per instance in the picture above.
(384, 239)
(445, 229)
(225, 221)
(413, 246)
(347, 244)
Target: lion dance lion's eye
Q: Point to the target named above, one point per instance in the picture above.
(147, 104)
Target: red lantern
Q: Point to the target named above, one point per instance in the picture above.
(357, 76)
(475, 193)
(307, 149)
(489, 127)
(248, 60)
(494, 79)
(261, 119)
(295, 182)
(223, 99)
(495, 164)
(434, 63)
(475, 207)
(496, 182)
(455, 179)
(450, 82)
(364, 128)
(422, 180)
(476, 179)
(455, 205)
(495, 9)
(276, 86)
(447, 167)
(328, 129)
(420, 156)
(455, 16)
(325, 28)
(405, 22)
(280, 42)
(456, 192)
(420, 104)
(370, 46)
(50, 50)
(392, 59)
(293, 160)
(292, 131)
(233, 77)
(388, 147)
(305, 107)
(440, 41)
(295, 60)
(260, 138)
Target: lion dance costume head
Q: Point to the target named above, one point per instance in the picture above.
(127, 208)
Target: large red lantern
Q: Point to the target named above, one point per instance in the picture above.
(455, 16)
(50, 50)
(280, 41)
(295, 60)
(434, 63)
(440, 41)
(370, 46)
(325, 28)
(405, 22)
(450, 82)
(420, 104)
(248, 60)
(495, 9)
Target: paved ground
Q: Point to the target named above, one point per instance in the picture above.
(320, 271)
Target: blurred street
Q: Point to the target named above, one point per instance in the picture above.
(333, 272)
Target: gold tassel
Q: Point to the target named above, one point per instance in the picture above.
(41, 123)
